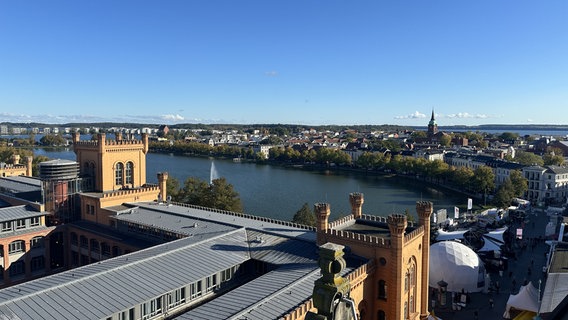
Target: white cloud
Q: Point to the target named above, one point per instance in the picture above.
(415, 115)
(172, 117)
(466, 115)
(271, 73)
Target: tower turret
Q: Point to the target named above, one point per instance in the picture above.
(356, 200)
(397, 225)
(16, 159)
(145, 142)
(102, 141)
(162, 179)
(29, 166)
(322, 211)
(424, 210)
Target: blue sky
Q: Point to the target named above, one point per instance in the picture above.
(293, 61)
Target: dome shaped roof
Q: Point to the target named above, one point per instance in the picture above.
(456, 264)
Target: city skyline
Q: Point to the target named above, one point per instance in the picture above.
(299, 62)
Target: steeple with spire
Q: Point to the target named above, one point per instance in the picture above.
(432, 126)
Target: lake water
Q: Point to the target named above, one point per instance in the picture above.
(278, 192)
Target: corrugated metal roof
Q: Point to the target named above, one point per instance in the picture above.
(265, 225)
(98, 290)
(269, 296)
(24, 231)
(19, 212)
(273, 293)
(182, 224)
(20, 184)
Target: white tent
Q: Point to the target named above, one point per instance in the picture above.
(490, 245)
(526, 299)
(450, 235)
(496, 234)
(456, 264)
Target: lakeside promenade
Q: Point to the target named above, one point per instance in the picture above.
(527, 266)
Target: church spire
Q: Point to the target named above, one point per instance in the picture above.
(432, 126)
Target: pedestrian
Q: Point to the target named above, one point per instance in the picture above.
(497, 286)
(475, 314)
(491, 303)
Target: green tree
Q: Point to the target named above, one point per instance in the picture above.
(520, 183)
(173, 188)
(508, 136)
(505, 194)
(462, 177)
(418, 134)
(446, 140)
(553, 156)
(223, 196)
(305, 216)
(35, 164)
(219, 195)
(483, 180)
(52, 140)
(528, 158)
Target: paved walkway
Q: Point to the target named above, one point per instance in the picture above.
(528, 257)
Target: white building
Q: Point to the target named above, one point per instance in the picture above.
(547, 185)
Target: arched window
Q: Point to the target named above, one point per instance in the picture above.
(36, 242)
(129, 172)
(405, 310)
(16, 246)
(118, 173)
(381, 315)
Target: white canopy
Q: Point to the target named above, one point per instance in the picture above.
(450, 235)
(526, 299)
(497, 234)
(457, 265)
(490, 245)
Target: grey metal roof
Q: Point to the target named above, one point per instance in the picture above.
(101, 289)
(262, 296)
(24, 231)
(18, 212)
(20, 184)
(178, 223)
(269, 296)
(265, 225)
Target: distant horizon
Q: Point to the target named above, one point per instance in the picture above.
(299, 62)
(552, 127)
